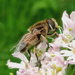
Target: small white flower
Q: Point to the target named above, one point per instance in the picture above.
(61, 41)
(25, 63)
(70, 55)
(20, 56)
(69, 23)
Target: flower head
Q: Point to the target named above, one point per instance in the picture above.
(51, 62)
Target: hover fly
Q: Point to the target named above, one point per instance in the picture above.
(37, 32)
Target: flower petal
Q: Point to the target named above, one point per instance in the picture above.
(71, 62)
(67, 23)
(42, 46)
(66, 53)
(15, 65)
(33, 59)
(71, 57)
(20, 56)
(72, 16)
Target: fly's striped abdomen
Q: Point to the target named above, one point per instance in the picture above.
(28, 40)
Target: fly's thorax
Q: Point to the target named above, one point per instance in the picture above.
(38, 26)
(44, 31)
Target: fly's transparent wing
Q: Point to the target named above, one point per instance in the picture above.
(21, 45)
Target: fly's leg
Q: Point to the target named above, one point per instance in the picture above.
(38, 62)
(55, 33)
(29, 55)
(43, 38)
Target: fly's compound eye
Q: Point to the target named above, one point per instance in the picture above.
(51, 24)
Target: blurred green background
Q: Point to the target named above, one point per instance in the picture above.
(16, 16)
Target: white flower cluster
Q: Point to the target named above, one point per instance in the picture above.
(52, 62)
